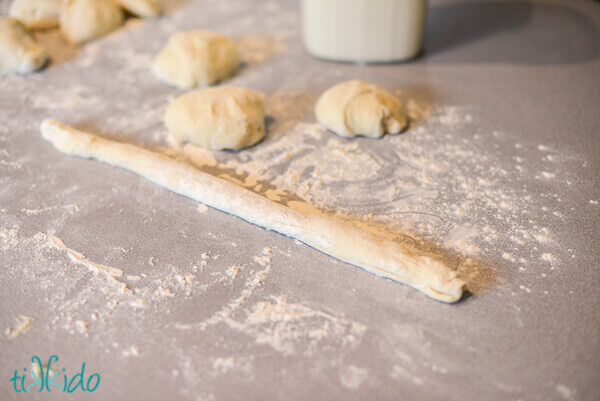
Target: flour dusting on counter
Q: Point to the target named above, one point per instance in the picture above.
(22, 326)
(78, 257)
(212, 303)
(280, 324)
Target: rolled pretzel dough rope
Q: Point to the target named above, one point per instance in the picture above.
(333, 237)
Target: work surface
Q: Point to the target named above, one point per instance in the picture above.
(499, 168)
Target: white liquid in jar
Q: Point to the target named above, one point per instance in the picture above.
(363, 30)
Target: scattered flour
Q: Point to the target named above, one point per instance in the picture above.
(81, 326)
(23, 325)
(234, 271)
(400, 372)
(280, 324)
(276, 322)
(223, 364)
(565, 392)
(452, 190)
(548, 257)
(131, 351)
(352, 377)
(78, 257)
(8, 238)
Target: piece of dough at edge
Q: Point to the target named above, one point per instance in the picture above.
(20, 53)
(36, 14)
(333, 237)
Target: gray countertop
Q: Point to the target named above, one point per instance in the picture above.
(499, 168)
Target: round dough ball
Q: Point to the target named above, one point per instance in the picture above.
(19, 51)
(36, 14)
(225, 117)
(142, 8)
(83, 20)
(196, 59)
(357, 108)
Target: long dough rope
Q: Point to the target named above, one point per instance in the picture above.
(333, 237)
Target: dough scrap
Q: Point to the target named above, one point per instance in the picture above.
(334, 237)
(36, 14)
(196, 59)
(84, 20)
(143, 8)
(20, 53)
(225, 117)
(357, 108)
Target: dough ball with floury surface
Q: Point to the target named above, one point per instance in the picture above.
(20, 53)
(196, 59)
(357, 108)
(225, 117)
(84, 20)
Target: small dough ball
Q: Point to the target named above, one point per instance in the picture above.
(142, 8)
(225, 117)
(83, 20)
(357, 108)
(196, 59)
(19, 51)
(36, 14)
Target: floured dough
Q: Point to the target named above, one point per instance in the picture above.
(357, 108)
(334, 237)
(36, 14)
(84, 20)
(19, 51)
(225, 117)
(142, 8)
(196, 59)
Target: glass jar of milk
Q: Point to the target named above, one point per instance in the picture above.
(364, 31)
